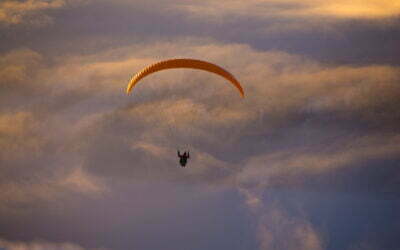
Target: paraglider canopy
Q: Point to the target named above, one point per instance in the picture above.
(184, 63)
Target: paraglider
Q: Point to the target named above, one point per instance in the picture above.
(183, 158)
(184, 63)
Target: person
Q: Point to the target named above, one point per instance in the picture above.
(183, 158)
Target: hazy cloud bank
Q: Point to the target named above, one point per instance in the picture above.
(300, 121)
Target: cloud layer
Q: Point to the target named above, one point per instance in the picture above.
(270, 139)
(370, 9)
(82, 162)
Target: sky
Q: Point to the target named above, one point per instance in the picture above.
(308, 160)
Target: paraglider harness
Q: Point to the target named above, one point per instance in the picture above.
(183, 158)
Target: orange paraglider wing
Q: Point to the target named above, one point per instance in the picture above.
(184, 63)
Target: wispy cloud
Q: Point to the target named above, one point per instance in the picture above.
(277, 228)
(41, 245)
(30, 12)
(369, 9)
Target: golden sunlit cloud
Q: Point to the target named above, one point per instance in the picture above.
(16, 12)
(364, 9)
(367, 9)
(16, 134)
(31, 12)
(16, 66)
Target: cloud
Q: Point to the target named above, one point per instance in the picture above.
(21, 196)
(355, 9)
(276, 230)
(18, 135)
(284, 93)
(281, 89)
(17, 67)
(276, 227)
(370, 9)
(87, 29)
(264, 22)
(300, 120)
(271, 74)
(295, 166)
(31, 12)
(80, 181)
(40, 245)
